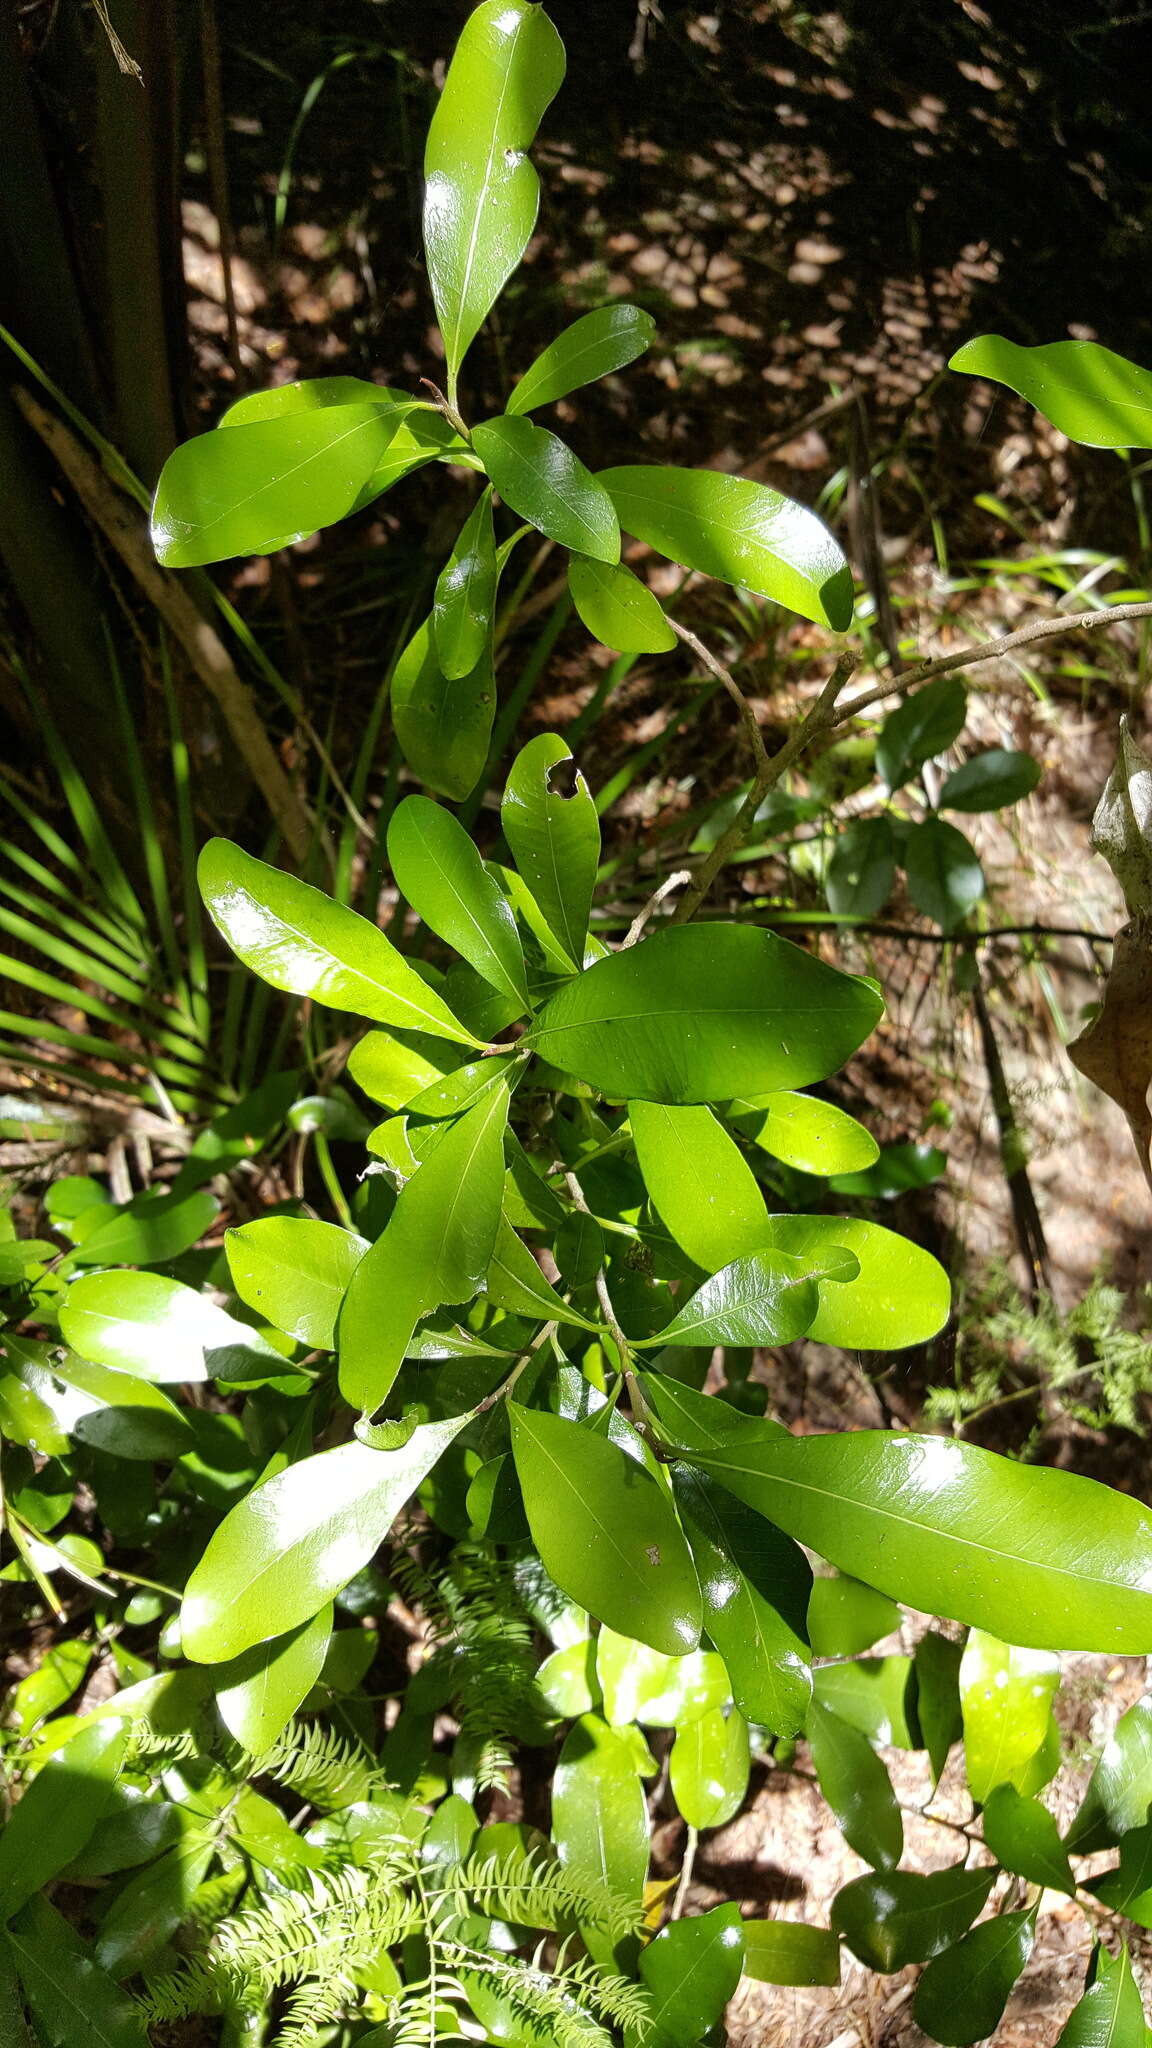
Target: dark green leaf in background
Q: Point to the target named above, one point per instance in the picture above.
(741, 532)
(592, 347)
(1111, 2012)
(755, 1584)
(989, 782)
(857, 1788)
(945, 878)
(963, 1992)
(924, 725)
(790, 1952)
(443, 725)
(862, 868)
(896, 1917)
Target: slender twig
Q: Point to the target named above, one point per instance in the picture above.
(670, 882)
(686, 1868)
(724, 675)
(525, 1358)
(993, 650)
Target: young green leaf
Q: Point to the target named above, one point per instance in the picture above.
(767, 1298)
(294, 1271)
(606, 1531)
(638, 1684)
(1024, 1837)
(990, 782)
(896, 1917)
(741, 532)
(1119, 1794)
(516, 1283)
(544, 482)
(857, 1788)
(466, 594)
(790, 1952)
(709, 1767)
(1086, 390)
(421, 433)
(900, 1294)
(259, 1691)
(924, 725)
(705, 1012)
(804, 1132)
(845, 1617)
(862, 868)
(938, 1697)
(699, 1181)
(392, 1070)
(620, 610)
(945, 878)
(963, 1992)
(481, 192)
(60, 1808)
(591, 348)
(161, 1330)
(257, 488)
(444, 726)
(599, 1813)
(1111, 2012)
(305, 943)
(1006, 1700)
(75, 2003)
(1041, 1555)
(691, 1971)
(295, 1542)
(435, 1248)
(439, 871)
(149, 1231)
(755, 1583)
(876, 1695)
(550, 823)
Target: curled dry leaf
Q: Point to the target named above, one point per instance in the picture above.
(1116, 1050)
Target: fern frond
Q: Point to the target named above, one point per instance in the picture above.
(325, 1769)
(577, 2004)
(534, 1891)
(473, 1609)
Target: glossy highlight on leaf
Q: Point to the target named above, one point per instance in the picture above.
(767, 1298)
(466, 594)
(900, 1295)
(544, 482)
(294, 1270)
(305, 943)
(592, 347)
(439, 871)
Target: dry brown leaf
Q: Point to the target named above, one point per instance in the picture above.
(1116, 1050)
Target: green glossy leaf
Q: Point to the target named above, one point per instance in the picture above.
(705, 1012)
(258, 1693)
(542, 481)
(804, 1132)
(638, 1684)
(466, 594)
(857, 1788)
(75, 2003)
(861, 868)
(877, 1695)
(617, 608)
(516, 1283)
(1086, 390)
(1006, 1699)
(963, 1992)
(1128, 1888)
(945, 877)
(391, 1070)
(938, 1697)
(755, 1583)
(845, 1617)
(149, 1231)
(161, 1330)
(765, 1299)
(436, 1248)
(295, 1542)
(901, 1294)
(420, 435)
(1049, 1557)
(698, 1420)
(308, 394)
(924, 725)
(443, 725)
(741, 532)
(606, 1531)
(1111, 2012)
(990, 782)
(550, 823)
(481, 192)
(295, 1272)
(699, 1181)
(591, 348)
(462, 1090)
(301, 941)
(258, 487)
(117, 1412)
(152, 1905)
(899, 1168)
(691, 1971)
(438, 870)
(710, 1765)
(896, 1917)
(790, 1952)
(568, 1680)
(1119, 1793)
(59, 1809)
(1024, 1837)
(15, 2031)
(599, 1812)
